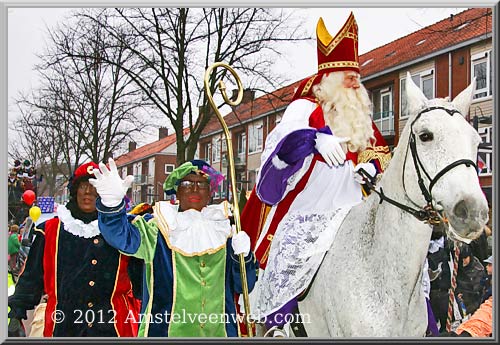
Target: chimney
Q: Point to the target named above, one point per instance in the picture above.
(248, 95)
(162, 132)
(132, 145)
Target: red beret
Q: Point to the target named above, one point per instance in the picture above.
(84, 170)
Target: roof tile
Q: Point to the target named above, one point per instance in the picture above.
(432, 38)
(147, 150)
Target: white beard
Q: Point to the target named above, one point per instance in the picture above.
(346, 111)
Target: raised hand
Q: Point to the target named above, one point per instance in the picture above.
(110, 186)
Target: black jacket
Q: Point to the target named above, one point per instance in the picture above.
(443, 280)
(469, 284)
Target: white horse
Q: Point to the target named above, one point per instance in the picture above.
(369, 284)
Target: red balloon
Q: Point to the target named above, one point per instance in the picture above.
(29, 197)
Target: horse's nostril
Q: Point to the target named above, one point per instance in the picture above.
(460, 210)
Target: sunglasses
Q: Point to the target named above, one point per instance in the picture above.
(189, 185)
(87, 187)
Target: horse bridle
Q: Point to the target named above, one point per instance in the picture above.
(428, 213)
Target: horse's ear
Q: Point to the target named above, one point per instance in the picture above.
(463, 100)
(415, 97)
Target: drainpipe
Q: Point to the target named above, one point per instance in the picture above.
(449, 75)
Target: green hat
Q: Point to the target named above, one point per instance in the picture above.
(195, 166)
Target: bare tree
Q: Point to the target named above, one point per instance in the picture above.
(37, 141)
(93, 102)
(84, 108)
(172, 47)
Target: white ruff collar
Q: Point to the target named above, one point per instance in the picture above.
(76, 226)
(195, 232)
(434, 245)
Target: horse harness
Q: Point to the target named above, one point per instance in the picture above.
(427, 213)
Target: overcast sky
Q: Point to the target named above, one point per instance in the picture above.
(377, 26)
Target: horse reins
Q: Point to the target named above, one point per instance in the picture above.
(428, 213)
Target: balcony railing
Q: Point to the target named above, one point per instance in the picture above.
(385, 122)
(239, 161)
(140, 179)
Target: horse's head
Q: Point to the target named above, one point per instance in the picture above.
(441, 147)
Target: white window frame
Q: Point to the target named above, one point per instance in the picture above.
(216, 147)
(486, 134)
(241, 148)
(418, 79)
(168, 167)
(255, 137)
(390, 116)
(476, 59)
(150, 197)
(208, 152)
(151, 167)
(428, 75)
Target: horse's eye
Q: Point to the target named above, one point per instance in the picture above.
(427, 136)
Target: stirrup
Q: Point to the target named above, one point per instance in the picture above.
(276, 333)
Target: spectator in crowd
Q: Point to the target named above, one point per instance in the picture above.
(489, 239)
(86, 279)
(15, 192)
(13, 246)
(440, 277)
(488, 279)
(432, 330)
(480, 246)
(479, 325)
(470, 273)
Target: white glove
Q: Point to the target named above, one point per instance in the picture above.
(329, 147)
(241, 243)
(109, 185)
(368, 167)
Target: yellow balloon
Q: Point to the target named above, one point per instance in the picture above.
(35, 213)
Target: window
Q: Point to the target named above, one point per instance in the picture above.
(241, 148)
(252, 178)
(482, 69)
(151, 167)
(255, 137)
(151, 194)
(366, 62)
(427, 86)
(485, 154)
(216, 149)
(383, 114)
(169, 168)
(461, 26)
(224, 144)
(241, 179)
(208, 152)
(219, 191)
(137, 172)
(424, 80)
